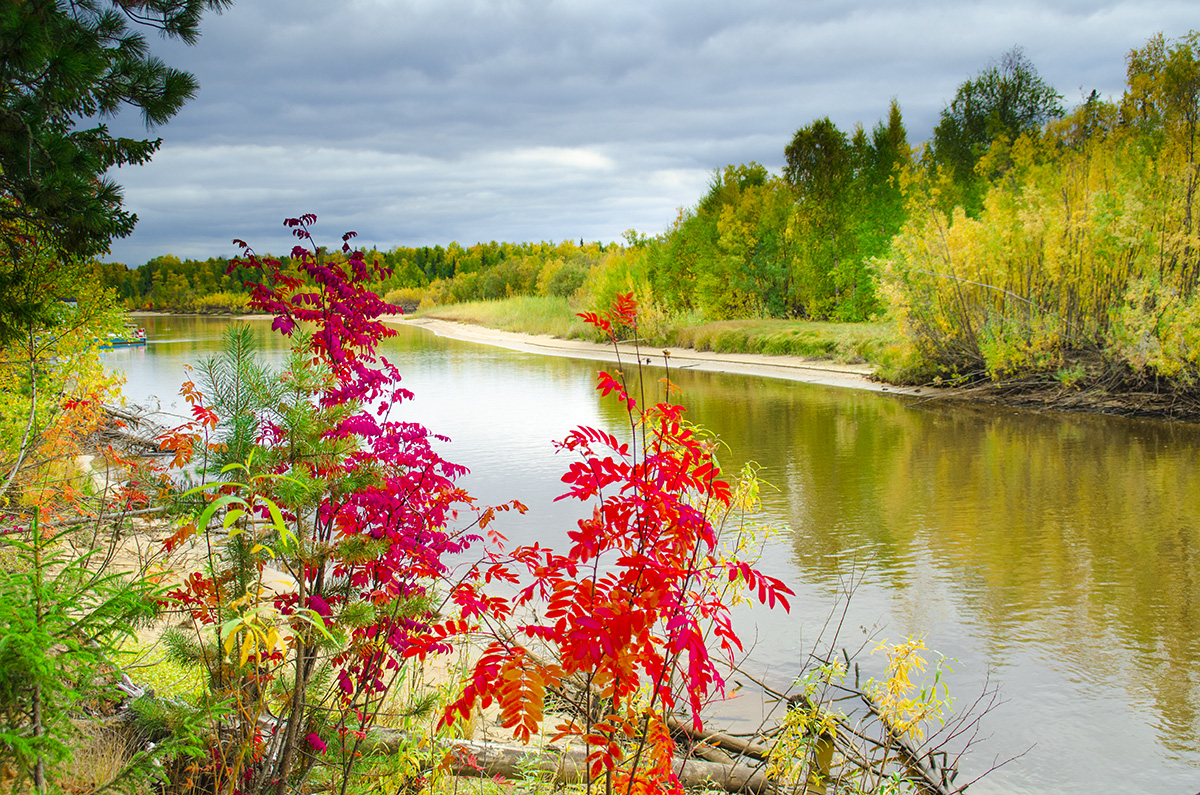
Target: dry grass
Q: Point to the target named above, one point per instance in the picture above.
(100, 756)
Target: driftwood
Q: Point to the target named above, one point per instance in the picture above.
(738, 765)
(743, 772)
(570, 766)
(116, 431)
(734, 745)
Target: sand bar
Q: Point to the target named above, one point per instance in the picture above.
(789, 368)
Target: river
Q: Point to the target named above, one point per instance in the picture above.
(1056, 556)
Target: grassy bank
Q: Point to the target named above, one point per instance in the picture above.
(526, 314)
(841, 342)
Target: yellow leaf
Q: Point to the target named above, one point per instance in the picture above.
(247, 647)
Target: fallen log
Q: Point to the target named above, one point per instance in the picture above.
(734, 745)
(569, 766)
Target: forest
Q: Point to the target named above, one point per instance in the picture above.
(1025, 240)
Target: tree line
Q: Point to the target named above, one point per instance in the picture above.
(1023, 237)
(441, 274)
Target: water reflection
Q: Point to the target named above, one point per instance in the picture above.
(1076, 535)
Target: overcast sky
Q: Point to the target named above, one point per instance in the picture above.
(418, 122)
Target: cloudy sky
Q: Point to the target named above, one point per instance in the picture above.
(424, 121)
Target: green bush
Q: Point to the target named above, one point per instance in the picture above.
(62, 618)
(407, 298)
(222, 303)
(566, 278)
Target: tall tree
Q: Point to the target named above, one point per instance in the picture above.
(821, 163)
(64, 66)
(1163, 94)
(1162, 104)
(881, 201)
(1006, 99)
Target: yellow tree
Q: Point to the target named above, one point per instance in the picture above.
(51, 379)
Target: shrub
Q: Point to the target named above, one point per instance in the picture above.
(406, 299)
(222, 303)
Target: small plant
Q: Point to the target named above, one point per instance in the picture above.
(900, 704)
(62, 618)
(1073, 376)
(879, 746)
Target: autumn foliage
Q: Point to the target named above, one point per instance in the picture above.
(627, 615)
(357, 515)
(1082, 261)
(338, 516)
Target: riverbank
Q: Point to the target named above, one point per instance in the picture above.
(1032, 395)
(790, 368)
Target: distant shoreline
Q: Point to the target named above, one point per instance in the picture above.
(790, 368)
(823, 372)
(230, 315)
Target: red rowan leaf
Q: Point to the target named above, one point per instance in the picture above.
(179, 536)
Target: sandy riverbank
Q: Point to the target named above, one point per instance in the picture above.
(789, 368)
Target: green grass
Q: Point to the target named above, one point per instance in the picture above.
(527, 314)
(150, 667)
(840, 342)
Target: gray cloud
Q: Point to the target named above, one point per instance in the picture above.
(425, 121)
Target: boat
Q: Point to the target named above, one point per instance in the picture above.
(130, 337)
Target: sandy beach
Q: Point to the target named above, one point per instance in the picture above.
(789, 368)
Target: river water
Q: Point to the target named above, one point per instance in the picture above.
(1055, 556)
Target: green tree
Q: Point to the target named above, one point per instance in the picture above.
(65, 65)
(1163, 93)
(876, 210)
(883, 203)
(821, 166)
(61, 618)
(692, 269)
(1007, 99)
